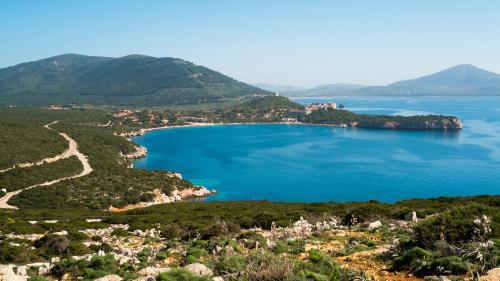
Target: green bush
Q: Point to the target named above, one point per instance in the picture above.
(120, 232)
(180, 275)
(449, 265)
(415, 260)
(456, 227)
(52, 245)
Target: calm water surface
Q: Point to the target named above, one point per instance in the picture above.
(318, 163)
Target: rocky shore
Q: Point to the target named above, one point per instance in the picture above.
(139, 152)
(162, 198)
(443, 124)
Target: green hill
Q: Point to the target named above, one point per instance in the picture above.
(130, 80)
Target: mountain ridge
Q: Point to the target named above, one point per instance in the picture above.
(129, 80)
(458, 80)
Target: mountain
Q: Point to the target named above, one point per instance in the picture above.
(325, 90)
(462, 79)
(131, 80)
(278, 88)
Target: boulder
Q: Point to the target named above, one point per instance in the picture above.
(492, 275)
(411, 217)
(374, 225)
(7, 274)
(198, 269)
(153, 271)
(110, 278)
(21, 270)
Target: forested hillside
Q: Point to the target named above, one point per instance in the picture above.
(131, 80)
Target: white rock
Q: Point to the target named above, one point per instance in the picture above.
(110, 278)
(21, 270)
(218, 278)
(7, 274)
(153, 271)
(374, 225)
(198, 269)
(412, 217)
(101, 253)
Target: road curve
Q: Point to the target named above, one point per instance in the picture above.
(72, 151)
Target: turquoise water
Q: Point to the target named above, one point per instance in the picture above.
(319, 163)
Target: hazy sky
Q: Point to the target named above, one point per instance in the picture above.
(302, 43)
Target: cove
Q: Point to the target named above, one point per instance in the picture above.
(319, 163)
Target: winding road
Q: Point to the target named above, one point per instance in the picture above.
(71, 151)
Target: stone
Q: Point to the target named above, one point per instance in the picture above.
(411, 217)
(218, 278)
(153, 271)
(43, 270)
(198, 269)
(110, 278)
(7, 274)
(21, 270)
(492, 275)
(374, 225)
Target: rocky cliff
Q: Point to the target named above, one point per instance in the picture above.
(442, 124)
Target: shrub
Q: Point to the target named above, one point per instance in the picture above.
(415, 260)
(161, 256)
(449, 265)
(456, 227)
(120, 232)
(180, 275)
(52, 245)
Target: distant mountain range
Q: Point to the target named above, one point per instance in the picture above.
(278, 88)
(326, 90)
(131, 80)
(460, 80)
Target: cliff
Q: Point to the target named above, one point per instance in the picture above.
(441, 124)
(344, 119)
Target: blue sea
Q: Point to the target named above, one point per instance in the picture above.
(318, 163)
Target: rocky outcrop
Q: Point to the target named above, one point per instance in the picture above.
(110, 278)
(199, 269)
(139, 152)
(12, 273)
(438, 124)
(162, 198)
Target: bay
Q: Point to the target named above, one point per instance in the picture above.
(311, 163)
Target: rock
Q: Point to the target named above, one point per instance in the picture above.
(435, 278)
(411, 217)
(43, 270)
(198, 269)
(218, 278)
(7, 274)
(101, 253)
(249, 244)
(153, 271)
(146, 278)
(21, 270)
(374, 225)
(492, 275)
(55, 259)
(110, 278)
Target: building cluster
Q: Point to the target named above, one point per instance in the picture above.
(315, 106)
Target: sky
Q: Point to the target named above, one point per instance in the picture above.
(289, 42)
